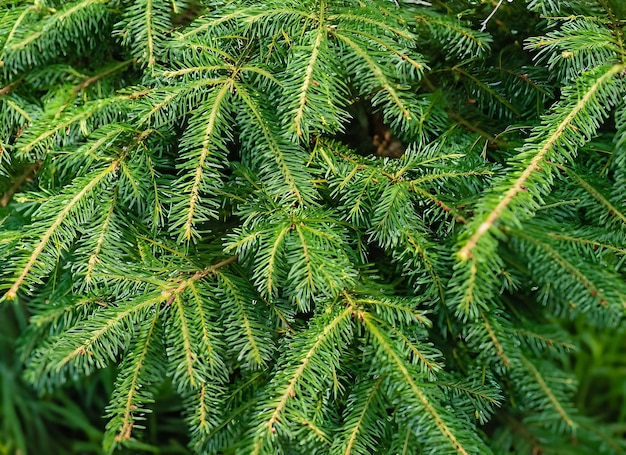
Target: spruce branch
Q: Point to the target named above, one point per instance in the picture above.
(316, 227)
(92, 183)
(454, 444)
(557, 137)
(289, 381)
(545, 388)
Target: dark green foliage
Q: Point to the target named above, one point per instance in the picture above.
(189, 203)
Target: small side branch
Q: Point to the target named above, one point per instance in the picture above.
(495, 10)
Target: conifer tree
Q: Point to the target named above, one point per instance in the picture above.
(189, 194)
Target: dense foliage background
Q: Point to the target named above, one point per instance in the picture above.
(313, 226)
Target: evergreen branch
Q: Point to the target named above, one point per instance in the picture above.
(35, 40)
(282, 10)
(143, 29)
(440, 204)
(149, 35)
(612, 209)
(429, 409)
(16, 25)
(307, 257)
(417, 246)
(580, 275)
(317, 431)
(494, 339)
(428, 366)
(167, 248)
(411, 314)
(194, 350)
(256, 338)
(403, 55)
(88, 81)
(60, 17)
(103, 328)
(308, 81)
(25, 115)
(95, 180)
(106, 222)
(182, 286)
(540, 153)
(419, 161)
(456, 37)
(480, 84)
(187, 346)
(270, 285)
(261, 72)
(546, 389)
(470, 283)
(209, 137)
(385, 83)
(359, 202)
(207, 24)
(174, 95)
(362, 416)
(304, 363)
(139, 363)
(581, 240)
(104, 138)
(203, 393)
(362, 18)
(446, 175)
(272, 143)
(394, 209)
(30, 141)
(203, 321)
(158, 218)
(51, 319)
(117, 275)
(549, 341)
(578, 45)
(198, 69)
(482, 394)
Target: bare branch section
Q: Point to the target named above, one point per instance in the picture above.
(24, 177)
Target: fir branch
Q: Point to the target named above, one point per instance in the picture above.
(385, 83)
(494, 338)
(209, 216)
(308, 81)
(611, 208)
(92, 342)
(572, 116)
(205, 177)
(96, 179)
(296, 182)
(295, 374)
(359, 436)
(133, 386)
(38, 139)
(94, 257)
(455, 445)
(549, 393)
(255, 347)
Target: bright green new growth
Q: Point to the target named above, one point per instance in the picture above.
(188, 196)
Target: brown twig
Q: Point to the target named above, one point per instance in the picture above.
(26, 176)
